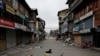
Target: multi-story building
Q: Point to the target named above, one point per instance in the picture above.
(40, 28)
(14, 24)
(86, 21)
(73, 30)
(7, 25)
(70, 15)
(23, 31)
(63, 24)
(32, 20)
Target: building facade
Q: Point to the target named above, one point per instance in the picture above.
(63, 24)
(41, 28)
(86, 21)
(14, 23)
(73, 28)
(32, 20)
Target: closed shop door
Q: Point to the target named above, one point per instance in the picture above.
(2, 39)
(10, 38)
(96, 40)
(77, 39)
(18, 37)
(26, 38)
(87, 38)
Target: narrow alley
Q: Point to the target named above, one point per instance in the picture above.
(57, 47)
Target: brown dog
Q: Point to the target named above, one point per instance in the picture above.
(46, 54)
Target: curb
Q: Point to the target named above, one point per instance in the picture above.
(98, 49)
(3, 52)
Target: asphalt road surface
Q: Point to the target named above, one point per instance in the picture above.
(58, 49)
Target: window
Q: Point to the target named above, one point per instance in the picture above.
(9, 2)
(21, 8)
(15, 4)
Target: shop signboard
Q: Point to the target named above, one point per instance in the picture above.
(76, 21)
(1, 5)
(76, 32)
(22, 16)
(85, 31)
(23, 27)
(76, 28)
(10, 10)
(87, 15)
(6, 23)
(18, 26)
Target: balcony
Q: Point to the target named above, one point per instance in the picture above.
(61, 21)
(70, 17)
(69, 1)
(74, 4)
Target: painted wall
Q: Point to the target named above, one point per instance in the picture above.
(97, 18)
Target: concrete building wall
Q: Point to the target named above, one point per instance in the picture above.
(97, 18)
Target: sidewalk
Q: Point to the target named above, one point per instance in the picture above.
(79, 46)
(98, 49)
(3, 52)
(17, 50)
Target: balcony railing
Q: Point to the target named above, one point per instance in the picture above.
(75, 4)
(70, 17)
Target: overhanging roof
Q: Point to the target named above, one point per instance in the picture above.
(24, 3)
(69, 1)
(35, 10)
(76, 5)
(62, 11)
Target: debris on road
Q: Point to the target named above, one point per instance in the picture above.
(38, 46)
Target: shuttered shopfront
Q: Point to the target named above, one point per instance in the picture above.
(2, 39)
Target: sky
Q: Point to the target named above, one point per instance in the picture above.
(47, 10)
